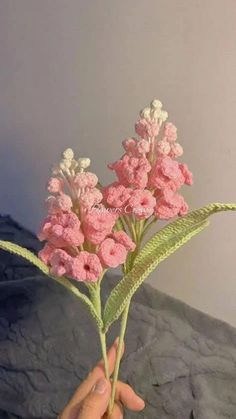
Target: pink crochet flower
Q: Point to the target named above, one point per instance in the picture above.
(132, 171)
(146, 128)
(55, 185)
(86, 267)
(188, 176)
(100, 219)
(143, 147)
(136, 148)
(94, 236)
(129, 145)
(59, 203)
(166, 174)
(176, 150)
(92, 179)
(61, 230)
(45, 253)
(163, 147)
(90, 198)
(148, 177)
(59, 261)
(170, 132)
(170, 205)
(142, 203)
(85, 179)
(117, 195)
(123, 238)
(98, 223)
(112, 254)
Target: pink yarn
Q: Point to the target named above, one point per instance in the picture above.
(170, 205)
(92, 179)
(166, 174)
(188, 176)
(123, 238)
(136, 148)
(61, 230)
(143, 147)
(80, 180)
(129, 145)
(97, 224)
(55, 185)
(132, 171)
(163, 148)
(142, 203)
(117, 195)
(95, 237)
(100, 219)
(90, 198)
(146, 128)
(59, 203)
(45, 253)
(85, 179)
(170, 132)
(59, 261)
(148, 178)
(112, 254)
(85, 267)
(176, 150)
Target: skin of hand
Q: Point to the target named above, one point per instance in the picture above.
(90, 401)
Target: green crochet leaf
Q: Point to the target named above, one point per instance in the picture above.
(24, 253)
(189, 220)
(162, 245)
(30, 257)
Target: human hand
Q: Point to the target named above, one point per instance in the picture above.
(90, 401)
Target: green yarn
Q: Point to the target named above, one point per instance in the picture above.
(163, 244)
(30, 257)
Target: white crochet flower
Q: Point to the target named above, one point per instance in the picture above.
(145, 113)
(68, 154)
(156, 104)
(83, 163)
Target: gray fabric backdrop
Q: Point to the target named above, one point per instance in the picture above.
(182, 362)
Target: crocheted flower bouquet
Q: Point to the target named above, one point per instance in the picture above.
(90, 228)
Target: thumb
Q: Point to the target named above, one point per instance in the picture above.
(96, 402)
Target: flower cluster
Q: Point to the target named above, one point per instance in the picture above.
(80, 229)
(80, 234)
(149, 175)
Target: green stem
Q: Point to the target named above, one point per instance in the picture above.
(104, 353)
(148, 226)
(118, 355)
(137, 230)
(96, 299)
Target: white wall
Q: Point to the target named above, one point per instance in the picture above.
(75, 73)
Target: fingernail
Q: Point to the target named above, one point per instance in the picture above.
(101, 386)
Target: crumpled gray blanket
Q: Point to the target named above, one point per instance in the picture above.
(181, 361)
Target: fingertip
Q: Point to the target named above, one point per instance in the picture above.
(140, 402)
(116, 344)
(136, 403)
(128, 397)
(116, 341)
